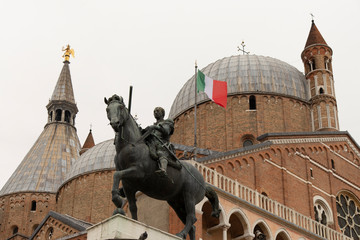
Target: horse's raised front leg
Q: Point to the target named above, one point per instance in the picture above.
(131, 172)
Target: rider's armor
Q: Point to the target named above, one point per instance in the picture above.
(159, 143)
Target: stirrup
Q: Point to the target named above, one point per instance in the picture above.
(161, 172)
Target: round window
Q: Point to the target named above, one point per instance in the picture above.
(348, 214)
(247, 142)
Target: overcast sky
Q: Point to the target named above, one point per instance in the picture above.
(152, 45)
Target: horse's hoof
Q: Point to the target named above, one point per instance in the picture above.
(119, 211)
(216, 213)
(181, 235)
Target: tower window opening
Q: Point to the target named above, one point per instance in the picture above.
(311, 65)
(33, 205)
(252, 102)
(67, 116)
(311, 173)
(327, 64)
(332, 164)
(58, 115)
(321, 91)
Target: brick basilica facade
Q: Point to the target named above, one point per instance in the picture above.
(275, 156)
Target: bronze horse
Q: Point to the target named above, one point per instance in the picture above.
(183, 188)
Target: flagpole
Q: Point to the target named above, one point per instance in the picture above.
(195, 123)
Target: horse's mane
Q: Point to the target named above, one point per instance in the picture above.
(133, 118)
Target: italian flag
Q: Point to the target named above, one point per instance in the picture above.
(216, 90)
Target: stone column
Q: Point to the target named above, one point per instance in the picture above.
(225, 227)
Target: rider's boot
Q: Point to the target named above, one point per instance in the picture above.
(163, 165)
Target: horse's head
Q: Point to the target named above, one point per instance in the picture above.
(116, 111)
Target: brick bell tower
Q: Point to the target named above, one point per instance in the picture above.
(30, 193)
(317, 59)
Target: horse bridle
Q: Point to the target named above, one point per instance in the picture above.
(121, 126)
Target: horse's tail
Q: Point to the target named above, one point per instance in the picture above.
(214, 200)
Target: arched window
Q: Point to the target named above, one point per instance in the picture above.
(252, 102)
(320, 215)
(35, 227)
(322, 211)
(67, 116)
(327, 64)
(49, 233)
(259, 233)
(282, 236)
(311, 65)
(237, 228)
(33, 205)
(321, 90)
(208, 221)
(15, 229)
(58, 115)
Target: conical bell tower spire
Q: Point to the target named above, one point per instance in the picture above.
(62, 106)
(45, 166)
(89, 143)
(317, 59)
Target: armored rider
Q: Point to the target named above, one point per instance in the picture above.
(162, 129)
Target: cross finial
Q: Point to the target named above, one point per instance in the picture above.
(312, 17)
(90, 127)
(243, 48)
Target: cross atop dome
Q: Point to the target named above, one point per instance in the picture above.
(243, 48)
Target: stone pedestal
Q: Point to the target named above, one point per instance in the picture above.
(121, 227)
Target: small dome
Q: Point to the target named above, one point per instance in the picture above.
(245, 74)
(99, 157)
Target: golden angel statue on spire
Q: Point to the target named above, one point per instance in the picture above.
(68, 52)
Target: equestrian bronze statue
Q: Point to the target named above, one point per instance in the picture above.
(182, 188)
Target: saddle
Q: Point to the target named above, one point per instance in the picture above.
(173, 161)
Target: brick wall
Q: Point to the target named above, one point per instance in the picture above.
(54, 229)
(16, 211)
(294, 173)
(222, 130)
(87, 197)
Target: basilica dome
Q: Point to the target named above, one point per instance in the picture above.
(245, 74)
(99, 157)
